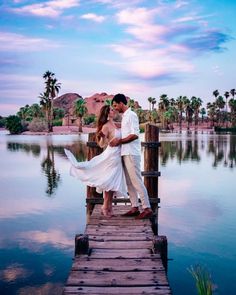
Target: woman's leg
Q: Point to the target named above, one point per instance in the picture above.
(107, 204)
(110, 196)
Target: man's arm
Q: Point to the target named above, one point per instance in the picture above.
(127, 139)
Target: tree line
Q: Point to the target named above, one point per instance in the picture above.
(164, 111)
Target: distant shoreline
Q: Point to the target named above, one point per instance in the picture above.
(70, 130)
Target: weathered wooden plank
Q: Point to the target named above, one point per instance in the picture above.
(118, 221)
(122, 253)
(150, 290)
(120, 244)
(117, 264)
(124, 237)
(103, 232)
(111, 279)
(121, 229)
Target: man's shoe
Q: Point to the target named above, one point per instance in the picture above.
(133, 212)
(147, 213)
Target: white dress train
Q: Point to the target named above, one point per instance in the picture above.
(105, 171)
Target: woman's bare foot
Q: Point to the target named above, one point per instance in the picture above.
(106, 212)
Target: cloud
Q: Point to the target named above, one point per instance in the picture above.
(161, 44)
(93, 17)
(146, 63)
(48, 288)
(17, 42)
(119, 3)
(35, 240)
(50, 9)
(14, 272)
(207, 41)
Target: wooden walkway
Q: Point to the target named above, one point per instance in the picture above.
(122, 258)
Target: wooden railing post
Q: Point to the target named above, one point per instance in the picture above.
(92, 150)
(151, 162)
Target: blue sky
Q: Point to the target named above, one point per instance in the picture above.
(140, 48)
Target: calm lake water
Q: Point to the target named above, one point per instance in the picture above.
(42, 208)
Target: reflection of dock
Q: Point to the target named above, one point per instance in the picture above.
(120, 255)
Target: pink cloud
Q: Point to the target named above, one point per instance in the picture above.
(18, 42)
(94, 17)
(50, 9)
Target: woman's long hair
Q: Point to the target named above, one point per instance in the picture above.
(102, 119)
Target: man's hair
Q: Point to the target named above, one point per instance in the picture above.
(119, 98)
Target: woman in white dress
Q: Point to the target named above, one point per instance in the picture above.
(105, 171)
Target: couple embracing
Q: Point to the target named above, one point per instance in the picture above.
(117, 169)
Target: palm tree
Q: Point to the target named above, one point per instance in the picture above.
(196, 103)
(153, 103)
(203, 113)
(80, 110)
(163, 107)
(131, 104)
(45, 102)
(232, 92)
(211, 107)
(52, 89)
(108, 102)
(216, 93)
(150, 102)
(180, 107)
(232, 105)
(220, 103)
(226, 97)
(188, 112)
(23, 113)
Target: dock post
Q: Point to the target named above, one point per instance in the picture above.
(81, 244)
(160, 246)
(151, 168)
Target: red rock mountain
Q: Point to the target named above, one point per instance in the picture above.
(93, 103)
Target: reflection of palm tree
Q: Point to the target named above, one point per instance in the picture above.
(48, 166)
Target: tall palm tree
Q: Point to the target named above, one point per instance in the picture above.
(220, 103)
(150, 102)
(180, 107)
(232, 92)
(52, 88)
(131, 104)
(203, 113)
(188, 112)
(80, 110)
(211, 107)
(216, 93)
(45, 102)
(232, 105)
(196, 103)
(153, 103)
(226, 104)
(162, 108)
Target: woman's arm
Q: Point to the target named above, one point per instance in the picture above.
(104, 136)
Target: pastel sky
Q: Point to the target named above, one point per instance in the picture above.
(137, 47)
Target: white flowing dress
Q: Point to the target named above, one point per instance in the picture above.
(105, 171)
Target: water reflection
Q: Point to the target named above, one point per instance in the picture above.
(33, 148)
(223, 150)
(48, 167)
(49, 170)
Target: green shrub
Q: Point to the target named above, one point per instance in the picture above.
(13, 124)
(2, 122)
(57, 122)
(37, 125)
(88, 119)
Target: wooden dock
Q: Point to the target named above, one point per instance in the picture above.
(118, 255)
